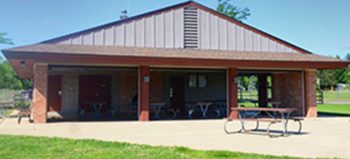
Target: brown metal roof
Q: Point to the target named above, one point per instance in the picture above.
(170, 53)
(184, 4)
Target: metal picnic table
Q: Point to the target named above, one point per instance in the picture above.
(96, 107)
(161, 112)
(204, 106)
(157, 108)
(270, 115)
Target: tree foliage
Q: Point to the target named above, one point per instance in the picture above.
(327, 79)
(4, 40)
(8, 77)
(227, 8)
(330, 78)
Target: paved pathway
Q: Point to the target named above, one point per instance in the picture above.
(324, 137)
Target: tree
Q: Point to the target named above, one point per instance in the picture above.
(227, 8)
(347, 56)
(341, 75)
(4, 40)
(124, 15)
(327, 79)
(330, 78)
(8, 78)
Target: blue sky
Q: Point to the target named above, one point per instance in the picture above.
(321, 26)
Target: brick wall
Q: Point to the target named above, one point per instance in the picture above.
(40, 93)
(287, 88)
(128, 88)
(310, 93)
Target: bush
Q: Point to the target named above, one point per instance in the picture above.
(22, 104)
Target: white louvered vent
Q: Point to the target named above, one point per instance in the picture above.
(191, 27)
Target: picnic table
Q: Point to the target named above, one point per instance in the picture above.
(96, 107)
(275, 104)
(203, 107)
(160, 111)
(270, 115)
(157, 108)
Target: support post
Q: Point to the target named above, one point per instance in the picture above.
(39, 108)
(262, 92)
(310, 93)
(144, 82)
(232, 92)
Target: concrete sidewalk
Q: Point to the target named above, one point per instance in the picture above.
(323, 137)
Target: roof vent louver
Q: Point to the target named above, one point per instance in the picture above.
(191, 27)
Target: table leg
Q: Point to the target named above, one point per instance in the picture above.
(204, 110)
(201, 107)
(93, 106)
(241, 121)
(157, 111)
(99, 110)
(285, 118)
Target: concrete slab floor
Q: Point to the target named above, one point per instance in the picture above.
(322, 137)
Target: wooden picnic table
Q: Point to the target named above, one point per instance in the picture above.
(270, 115)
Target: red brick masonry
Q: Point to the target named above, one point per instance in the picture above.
(310, 93)
(288, 88)
(40, 93)
(144, 93)
(232, 92)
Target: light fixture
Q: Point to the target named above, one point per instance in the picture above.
(146, 78)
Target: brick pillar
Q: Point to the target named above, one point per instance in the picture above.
(40, 93)
(310, 93)
(232, 92)
(144, 81)
(262, 90)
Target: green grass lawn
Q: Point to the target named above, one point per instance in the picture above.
(43, 147)
(332, 96)
(341, 109)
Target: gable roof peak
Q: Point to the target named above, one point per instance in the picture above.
(183, 5)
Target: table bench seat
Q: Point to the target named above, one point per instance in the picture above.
(270, 120)
(283, 116)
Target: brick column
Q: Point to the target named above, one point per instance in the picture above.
(232, 92)
(310, 93)
(40, 93)
(144, 80)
